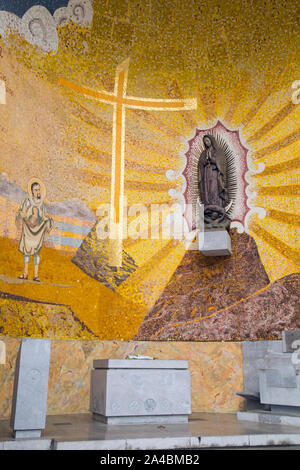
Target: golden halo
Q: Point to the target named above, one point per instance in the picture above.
(42, 186)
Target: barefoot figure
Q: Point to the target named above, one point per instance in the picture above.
(35, 225)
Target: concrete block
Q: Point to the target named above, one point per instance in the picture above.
(274, 439)
(278, 395)
(269, 417)
(290, 340)
(139, 364)
(281, 378)
(252, 352)
(215, 243)
(274, 346)
(143, 419)
(27, 444)
(149, 392)
(225, 441)
(98, 444)
(159, 443)
(254, 355)
(29, 405)
(286, 410)
(275, 360)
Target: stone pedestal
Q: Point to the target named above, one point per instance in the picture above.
(215, 243)
(279, 380)
(140, 391)
(29, 405)
(253, 353)
(275, 379)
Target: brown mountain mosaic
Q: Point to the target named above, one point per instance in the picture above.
(223, 299)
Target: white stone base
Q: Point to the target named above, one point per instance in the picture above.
(140, 391)
(269, 417)
(215, 243)
(166, 419)
(27, 433)
(29, 402)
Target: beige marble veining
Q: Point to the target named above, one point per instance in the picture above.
(216, 371)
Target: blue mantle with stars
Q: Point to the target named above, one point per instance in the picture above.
(19, 7)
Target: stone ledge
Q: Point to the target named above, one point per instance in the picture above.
(269, 417)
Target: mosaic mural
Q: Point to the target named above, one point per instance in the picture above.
(104, 109)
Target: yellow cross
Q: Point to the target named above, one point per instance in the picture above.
(2, 92)
(120, 101)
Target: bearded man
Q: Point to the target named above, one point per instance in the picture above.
(35, 225)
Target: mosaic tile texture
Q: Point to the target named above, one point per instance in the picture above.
(98, 103)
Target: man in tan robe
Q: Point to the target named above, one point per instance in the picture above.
(35, 225)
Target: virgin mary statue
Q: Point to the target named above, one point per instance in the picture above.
(212, 184)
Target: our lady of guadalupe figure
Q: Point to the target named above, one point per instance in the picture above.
(213, 184)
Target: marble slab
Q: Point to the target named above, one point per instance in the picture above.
(139, 364)
(204, 430)
(140, 395)
(267, 417)
(279, 393)
(215, 243)
(281, 379)
(29, 403)
(254, 352)
(216, 371)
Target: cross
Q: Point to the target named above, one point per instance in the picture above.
(120, 101)
(2, 92)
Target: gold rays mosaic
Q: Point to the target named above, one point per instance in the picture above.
(185, 65)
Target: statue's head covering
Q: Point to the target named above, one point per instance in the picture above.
(212, 139)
